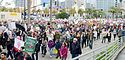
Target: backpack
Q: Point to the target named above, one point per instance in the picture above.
(51, 44)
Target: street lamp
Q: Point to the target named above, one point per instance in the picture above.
(50, 10)
(24, 10)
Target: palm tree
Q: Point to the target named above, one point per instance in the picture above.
(54, 11)
(18, 10)
(115, 11)
(46, 11)
(39, 11)
(80, 11)
(10, 10)
(100, 13)
(89, 12)
(3, 9)
(33, 11)
(72, 11)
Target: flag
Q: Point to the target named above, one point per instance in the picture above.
(30, 44)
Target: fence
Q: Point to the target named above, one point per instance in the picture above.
(105, 52)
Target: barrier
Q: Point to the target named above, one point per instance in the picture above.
(105, 52)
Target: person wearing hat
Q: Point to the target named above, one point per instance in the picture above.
(76, 49)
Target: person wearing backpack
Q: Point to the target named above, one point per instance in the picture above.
(58, 46)
(51, 44)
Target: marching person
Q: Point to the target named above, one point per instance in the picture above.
(43, 47)
(58, 46)
(98, 33)
(76, 49)
(114, 33)
(9, 49)
(63, 51)
(84, 39)
(37, 50)
(109, 36)
(119, 34)
(104, 36)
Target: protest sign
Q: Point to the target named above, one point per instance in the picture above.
(18, 44)
(12, 25)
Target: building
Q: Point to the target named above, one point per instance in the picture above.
(36, 3)
(20, 3)
(105, 5)
(4, 16)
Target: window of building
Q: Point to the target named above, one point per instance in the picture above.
(2, 16)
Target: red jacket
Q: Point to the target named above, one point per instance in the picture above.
(63, 52)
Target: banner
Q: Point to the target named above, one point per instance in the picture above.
(18, 44)
(30, 44)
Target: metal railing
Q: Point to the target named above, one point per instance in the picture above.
(105, 52)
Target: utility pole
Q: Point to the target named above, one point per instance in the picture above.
(29, 6)
(24, 14)
(50, 10)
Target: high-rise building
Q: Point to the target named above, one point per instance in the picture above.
(36, 3)
(20, 3)
(105, 4)
(71, 3)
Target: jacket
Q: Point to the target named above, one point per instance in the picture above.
(123, 33)
(37, 47)
(63, 52)
(76, 49)
(58, 45)
(51, 44)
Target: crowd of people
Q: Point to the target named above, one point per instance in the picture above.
(58, 40)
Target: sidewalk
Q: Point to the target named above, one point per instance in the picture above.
(121, 56)
(96, 44)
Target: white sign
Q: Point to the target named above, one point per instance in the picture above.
(12, 25)
(18, 43)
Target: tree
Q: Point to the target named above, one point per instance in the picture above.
(80, 11)
(33, 11)
(14, 10)
(63, 10)
(115, 11)
(54, 11)
(46, 12)
(89, 12)
(3, 9)
(98, 13)
(39, 11)
(10, 10)
(72, 11)
(62, 15)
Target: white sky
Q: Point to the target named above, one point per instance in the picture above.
(11, 2)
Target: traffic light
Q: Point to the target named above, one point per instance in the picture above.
(120, 0)
(55, 3)
(44, 4)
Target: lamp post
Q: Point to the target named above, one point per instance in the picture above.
(50, 10)
(24, 10)
(29, 6)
